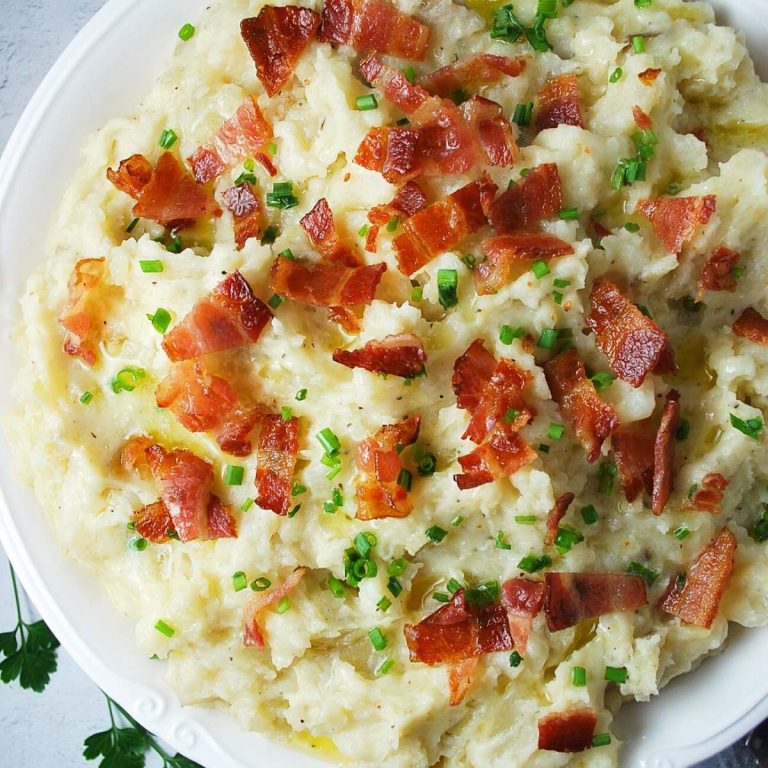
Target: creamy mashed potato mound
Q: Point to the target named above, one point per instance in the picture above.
(319, 676)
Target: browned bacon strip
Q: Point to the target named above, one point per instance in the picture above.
(443, 225)
(276, 39)
(492, 130)
(230, 316)
(642, 120)
(504, 251)
(633, 450)
(708, 497)
(373, 25)
(253, 633)
(346, 318)
(556, 514)
(752, 325)
(500, 457)
(695, 598)
(394, 85)
(321, 229)
(664, 453)
(592, 419)
(378, 462)
(276, 452)
(79, 316)
(458, 631)
(648, 76)
(247, 213)
(460, 679)
(471, 372)
(410, 199)
(153, 522)
(535, 197)
(570, 731)
(523, 600)
(676, 219)
(393, 152)
(558, 103)
(203, 402)
(717, 273)
(401, 355)
(634, 345)
(573, 597)
(477, 68)
(132, 175)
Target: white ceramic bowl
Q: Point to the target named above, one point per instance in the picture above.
(102, 74)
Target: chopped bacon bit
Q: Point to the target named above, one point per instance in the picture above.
(708, 497)
(457, 631)
(321, 229)
(500, 457)
(523, 599)
(633, 451)
(536, 196)
(570, 731)
(394, 85)
(648, 77)
(471, 372)
(696, 599)
(482, 68)
(398, 355)
(492, 129)
(253, 634)
(664, 453)
(230, 316)
(675, 219)
(632, 342)
(443, 225)
(221, 523)
(717, 273)
(269, 166)
(276, 39)
(410, 199)
(573, 597)
(346, 318)
(460, 679)
(78, 318)
(378, 461)
(503, 251)
(642, 120)
(592, 419)
(132, 175)
(558, 103)
(394, 152)
(325, 285)
(153, 522)
(276, 452)
(752, 325)
(203, 402)
(600, 230)
(556, 514)
(373, 25)
(246, 211)
(133, 457)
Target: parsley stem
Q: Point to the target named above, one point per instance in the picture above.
(111, 713)
(15, 593)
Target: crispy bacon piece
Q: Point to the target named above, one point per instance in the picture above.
(558, 103)
(573, 597)
(276, 452)
(708, 497)
(471, 372)
(79, 316)
(458, 631)
(460, 679)
(346, 318)
(276, 39)
(477, 68)
(502, 394)
(230, 316)
(648, 76)
(717, 273)
(675, 219)
(492, 129)
(373, 25)
(253, 634)
(245, 134)
(394, 85)
(443, 225)
(634, 345)
(556, 514)
(153, 522)
(247, 213)
(664, 453)
(378, 462)
(642, 120)
(393, 152)
(503, 251)
(523, 600)
(751, 325)
(321, 229)
(535, 197)
(696, 598)
(325, 285)
(500, 457)
(633, 450)
(398, 355)
(221, 524)
(570, 731)
(133, 457)
(410, 199)
(592, 419)
(203, 402)
(132, 175)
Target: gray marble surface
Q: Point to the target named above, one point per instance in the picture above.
(47, 730)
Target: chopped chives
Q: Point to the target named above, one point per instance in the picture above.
(602, 380)
(138, 544)
(507, 334)
(329, 508)
(364, 542)
(127, 379)
(616, 75)
(738, 272)
(631, 226)
(328, 440)
(233, 475)
(638, 569)
(297, 488)
(301, 395)
(286, 414)
(601, 739)
(606, 474)
(287, 254)
(469, 261)
(393, 224)
(616, 674)
(337, 588)
(579, 677)
(683, 430)
(410, 74)
(448, 287)
(270, 235)
(397, 567)
(160, 320)
(164, 628)
(558, 282)
(385, 667)
(294, 511)
(245, 177)
(643, 3)
(334, 472)
(548, 338)
(394, 586)
(457, 521)
(247, 504)
(557, 297)
(151, 266)
(275, 300)
(533, 564)
(239, 581)
(525, 519)
(187, 32)
(568, 214)
(86, 397)
(544, 448)
(366, 102)
(511, 415)
(760, 532)
(501, 542)
(515, 659)
(271, 147)
(417, 294)
(363, 231)
(282, 196)
(283, 605)
(132, 226)
(131, 526)
(523, 114)
(405, 479)
(453, 585)
(682, 532)
(378, 641)
(540, 269)
(751, 427)
(436, 534)
(427, 465)
(249, 164)
(168, 138)
(506, 25)
(555, 431)
(483, 595)
(589, 514)
(567, 538)
(338, 499)
(384, 604)
(638, 43)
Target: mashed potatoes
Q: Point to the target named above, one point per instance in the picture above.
(319, 675)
